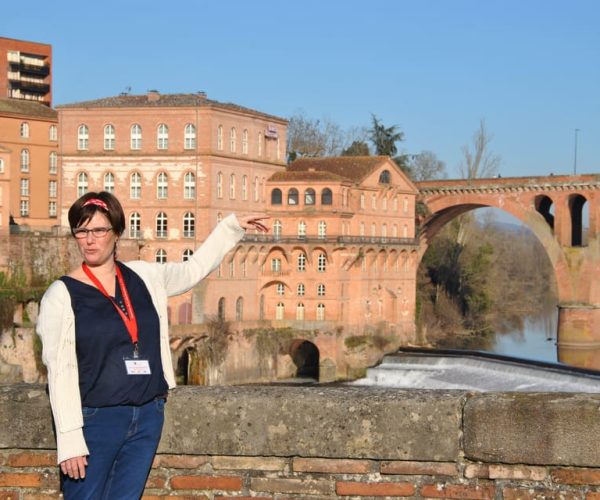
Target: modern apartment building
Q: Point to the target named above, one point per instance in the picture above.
(29, 136)
(26, 70)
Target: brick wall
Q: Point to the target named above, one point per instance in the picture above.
(337, 442)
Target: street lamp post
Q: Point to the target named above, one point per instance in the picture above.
(575, 153)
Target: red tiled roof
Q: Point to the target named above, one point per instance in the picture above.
(26, 108)
(305, 176)
(158, 100)
(353, 168)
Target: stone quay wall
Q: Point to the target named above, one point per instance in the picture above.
(321, 442)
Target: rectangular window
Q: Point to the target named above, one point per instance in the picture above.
(52, 209)
(24, 187)
(24, 208)
(52, 189)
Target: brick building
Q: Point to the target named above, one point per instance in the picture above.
(26, 70)
(29, 135)
(178, 163)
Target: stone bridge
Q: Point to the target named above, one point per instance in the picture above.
(564, 213)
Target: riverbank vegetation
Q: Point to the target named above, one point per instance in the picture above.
(480, 276)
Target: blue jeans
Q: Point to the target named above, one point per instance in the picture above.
(122, 441)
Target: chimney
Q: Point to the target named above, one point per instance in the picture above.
(153, 95)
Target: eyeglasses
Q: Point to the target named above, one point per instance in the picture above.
(97, 232)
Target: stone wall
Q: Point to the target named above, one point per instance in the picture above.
(276, 442)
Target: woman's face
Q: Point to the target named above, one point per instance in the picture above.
(97, 250)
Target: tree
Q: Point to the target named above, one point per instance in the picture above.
(357, 148)
(313, 137)
(479, 161)
(426, 166)
(384, 140)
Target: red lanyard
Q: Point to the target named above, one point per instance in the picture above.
(129, 319)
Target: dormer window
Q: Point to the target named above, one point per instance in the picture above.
(384, 177)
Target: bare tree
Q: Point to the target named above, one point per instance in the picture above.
(313, 137)
(478, 160)
(426, 166)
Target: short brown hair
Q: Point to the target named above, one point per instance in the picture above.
(80, 212)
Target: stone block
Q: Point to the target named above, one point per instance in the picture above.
(325, 422)
(534, 429)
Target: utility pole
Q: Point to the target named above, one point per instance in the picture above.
(575, 153)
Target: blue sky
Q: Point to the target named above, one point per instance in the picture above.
(530, 68)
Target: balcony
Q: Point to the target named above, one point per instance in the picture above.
(32, 85)
(35, 69)
(339, 240)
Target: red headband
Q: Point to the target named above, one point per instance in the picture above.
(97, 202)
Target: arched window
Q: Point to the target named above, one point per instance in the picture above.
(320, 312)
(302, 229)
(321, 290)
(161, 225)
(135, 225)
(384, 232)
(187, 253)
(292, 196)
(53, 133)
(373, 230)
(395, 204)
(300, 311)
(162, 186)
(384, 203)
(160, 256)
(384, 177)
(326, 197)
(24, 160)
(309, 196)
(300, 290)
(189, 186)
(109, 137)
(256, 196)
(162, 137)
(362, 200)
(189, 225)
(279, 311)
(83, 137)
(135, 186)
(277, 229)
(135, 137)
(395, 231)
(189, 136)
(374, 201)
(280, 289)
(245, 188)
(220, 185)
(220, 137)
(245, 142)
(405, 231)
(53, 163)
(232, 140)
(221, 308)
(260, 144)
(322, 229)
(232, 187)
(109, 182)
(405, 205)
(301, 262)
(276, 196)
(321, 263)
(344, 197)
(239, 309)
(25, 130)
(82, 184)
(362, 229)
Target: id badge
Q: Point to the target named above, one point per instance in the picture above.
(137, 366)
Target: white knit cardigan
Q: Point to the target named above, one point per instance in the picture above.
(56, 327)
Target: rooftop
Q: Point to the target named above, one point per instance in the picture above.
(26, 108)
(154, 99)
(354, 168)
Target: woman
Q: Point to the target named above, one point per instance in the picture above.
(104, 330)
